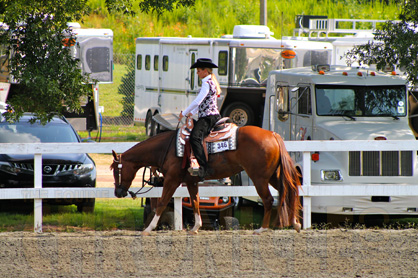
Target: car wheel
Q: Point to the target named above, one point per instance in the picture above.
(87, 206)
(231, 223)
(240, 113)
(167, 220)
(148, 214)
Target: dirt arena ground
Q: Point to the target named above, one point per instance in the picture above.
(278, 253)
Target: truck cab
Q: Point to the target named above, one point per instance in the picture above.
(343, 103)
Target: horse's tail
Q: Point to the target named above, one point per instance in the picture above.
(288, 186)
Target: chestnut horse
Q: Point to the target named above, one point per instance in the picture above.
(261, 153)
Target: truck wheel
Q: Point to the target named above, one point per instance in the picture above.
(240, 113)
(148, 124)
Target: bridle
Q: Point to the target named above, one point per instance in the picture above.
(119, 185)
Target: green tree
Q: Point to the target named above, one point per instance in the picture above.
(48, 78)
(394, 44)
(32, 35)
(158, 6)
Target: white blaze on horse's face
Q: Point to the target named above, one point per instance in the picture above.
(120, 190)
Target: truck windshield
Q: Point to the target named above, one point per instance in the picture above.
(364, 101)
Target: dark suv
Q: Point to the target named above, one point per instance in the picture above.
(59, 170)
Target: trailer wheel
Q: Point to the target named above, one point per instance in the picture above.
(240, 113)
(155, 127)
(148, 124)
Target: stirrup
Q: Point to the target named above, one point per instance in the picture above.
(194, 167)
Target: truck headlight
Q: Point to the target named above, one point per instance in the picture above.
(331, 175)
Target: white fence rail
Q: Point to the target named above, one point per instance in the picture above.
(38, 193)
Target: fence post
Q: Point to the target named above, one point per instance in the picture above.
(178, 214)
(307, 210)
(37, 202)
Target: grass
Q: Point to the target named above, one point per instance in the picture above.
(110, 214)
(109, 97)
(116, 133)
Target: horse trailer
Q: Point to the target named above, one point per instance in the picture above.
(164, 83)
(94, 50)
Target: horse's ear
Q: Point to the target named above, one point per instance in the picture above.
(115, 155)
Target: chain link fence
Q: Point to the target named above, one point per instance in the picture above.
(126, 89)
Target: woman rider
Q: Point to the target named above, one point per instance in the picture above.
(205, 104)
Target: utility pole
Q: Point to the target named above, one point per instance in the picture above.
(263, 12)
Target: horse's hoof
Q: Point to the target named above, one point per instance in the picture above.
(259, 231)
(297, 227)
(145, 233)
(192, 233)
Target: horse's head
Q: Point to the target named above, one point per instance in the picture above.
(123, 173)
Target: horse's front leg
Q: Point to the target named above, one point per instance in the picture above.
(194, 198)
(169, 188)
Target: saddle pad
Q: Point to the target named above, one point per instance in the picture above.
(228, 144)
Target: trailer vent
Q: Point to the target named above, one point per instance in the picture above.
(380, 163)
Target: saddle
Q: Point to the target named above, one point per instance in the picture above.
(223, 137)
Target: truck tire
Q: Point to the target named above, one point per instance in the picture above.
(240, 113)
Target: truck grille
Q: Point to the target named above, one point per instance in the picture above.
(380, 163)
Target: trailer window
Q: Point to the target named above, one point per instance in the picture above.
(156, 62)
(165, 63)
(139, 62)
(193, 71)
(222, 62)
(147, 62)
(304, 101)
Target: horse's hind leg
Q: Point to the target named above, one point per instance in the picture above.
(265, 195)
(194, 197)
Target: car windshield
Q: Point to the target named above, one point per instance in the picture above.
(364, 101)
(23, 132)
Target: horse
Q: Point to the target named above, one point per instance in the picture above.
(261, 153)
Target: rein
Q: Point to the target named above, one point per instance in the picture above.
(133, 194)
(168, 146)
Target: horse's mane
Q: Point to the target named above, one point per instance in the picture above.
(150, 140)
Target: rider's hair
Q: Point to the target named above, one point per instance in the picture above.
(215, 80)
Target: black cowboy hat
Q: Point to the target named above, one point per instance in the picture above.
(203, 63)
